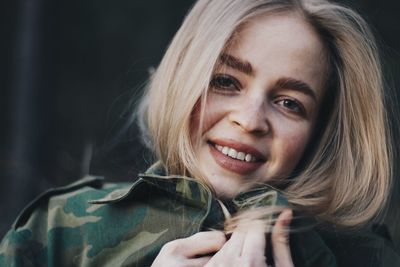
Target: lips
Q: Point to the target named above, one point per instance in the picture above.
(233, 153)
(236, 157)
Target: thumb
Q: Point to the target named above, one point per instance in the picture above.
(280, 240)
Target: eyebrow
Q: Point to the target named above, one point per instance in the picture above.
(237, 64)
(284, 83)
(294, 84)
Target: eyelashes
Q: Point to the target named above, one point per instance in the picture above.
(228, 85)
(291, 105)
(225, 83)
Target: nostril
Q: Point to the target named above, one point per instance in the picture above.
(255, 124)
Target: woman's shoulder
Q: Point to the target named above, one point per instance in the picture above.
(66, 204)
(314, 243)
(91, 221)
(369, 246)
(58, 219)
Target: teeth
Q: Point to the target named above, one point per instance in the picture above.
(232, 153)
(248, 158)
(235, 154)
(241, 156)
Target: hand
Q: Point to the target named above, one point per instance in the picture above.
(192, 251)
(246, 247)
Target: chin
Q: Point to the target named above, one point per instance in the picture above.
(227, 187)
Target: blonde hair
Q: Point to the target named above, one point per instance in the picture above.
(345, 179)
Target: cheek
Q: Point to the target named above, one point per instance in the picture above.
(294, 147)
(214, 111)
(291, 147)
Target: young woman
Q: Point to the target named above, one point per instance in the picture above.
(273, 108)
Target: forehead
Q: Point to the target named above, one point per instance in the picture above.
(282, 44)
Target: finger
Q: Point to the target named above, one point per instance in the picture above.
(253, 252)
(280, 240)
(173, 262)
(202, 261)
(235, 244)
(230, 252)
(254, 243)
(201, 243)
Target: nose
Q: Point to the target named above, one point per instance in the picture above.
(251, 116)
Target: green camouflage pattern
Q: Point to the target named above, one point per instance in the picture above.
(94, 223)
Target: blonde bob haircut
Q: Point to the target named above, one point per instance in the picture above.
(345, 178)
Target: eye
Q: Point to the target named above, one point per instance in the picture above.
(291, 105)
(224, 83)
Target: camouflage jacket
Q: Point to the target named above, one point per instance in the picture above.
(93, 223)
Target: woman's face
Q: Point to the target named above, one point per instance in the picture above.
(262, 104)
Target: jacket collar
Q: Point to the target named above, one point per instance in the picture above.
(191, 190)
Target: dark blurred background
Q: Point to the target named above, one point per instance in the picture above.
(70, 73)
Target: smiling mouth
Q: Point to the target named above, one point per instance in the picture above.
(238, 151)
(238, 158)
(233, 153)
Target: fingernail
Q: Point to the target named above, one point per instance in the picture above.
(287, 217)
